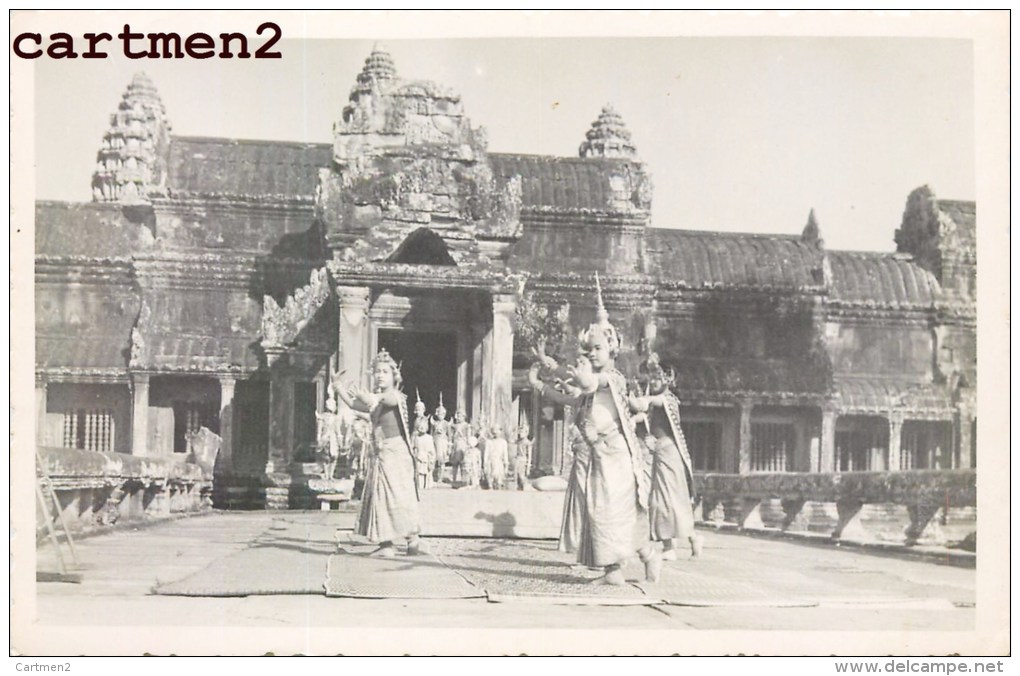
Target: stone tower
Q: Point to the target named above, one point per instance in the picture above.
(131, 162)
(608, 137)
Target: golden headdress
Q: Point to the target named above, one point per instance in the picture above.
(601, 324)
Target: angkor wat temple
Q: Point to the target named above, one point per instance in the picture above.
(215, 282)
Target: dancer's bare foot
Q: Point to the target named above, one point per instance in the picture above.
(669, 554)
(383, 552)
(415, 548)
(653, 564)
(612, 578)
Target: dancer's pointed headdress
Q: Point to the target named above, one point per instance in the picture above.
(441, 410)
(601, 324)
(384, 359)
(652, 369)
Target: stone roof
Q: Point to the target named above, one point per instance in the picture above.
(107, 352)
(704, 260)
(570, 183)
(877, 396)
(735, 376)
(869, 278)
(242, 168)
(94, 230)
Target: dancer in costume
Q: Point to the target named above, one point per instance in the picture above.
(423, 445)
(461, 431)
(614, 525)
(522, 457)
(497, 459)
(441, 438)
(473, 460)
(389, 506)
(670, 507)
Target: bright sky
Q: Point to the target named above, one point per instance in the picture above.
(740, 134)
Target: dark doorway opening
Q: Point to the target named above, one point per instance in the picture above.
(428, 365)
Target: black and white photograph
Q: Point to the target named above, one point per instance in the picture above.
(513, 333)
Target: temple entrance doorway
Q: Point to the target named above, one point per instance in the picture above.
(428, 364)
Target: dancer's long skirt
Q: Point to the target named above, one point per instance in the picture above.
(614, 526)
(669, 503)
(389, 506)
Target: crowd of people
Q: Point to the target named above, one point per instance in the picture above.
(617, 505)
(451, 451)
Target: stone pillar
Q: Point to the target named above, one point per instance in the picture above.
(40, 413)
(965, 422)
(501, 364)
(479, 403)
(488, 380)
(281, 439)
(140, 414)
(353, 339)
(464, 365)
(227, 384)
(744, 438)
(827, 452)
(895, 436)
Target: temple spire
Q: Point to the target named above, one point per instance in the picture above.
(811, 234)
(132, 159)
(378, 66)
(608, 137)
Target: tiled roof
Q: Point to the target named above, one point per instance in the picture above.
(89, 229)
(879, 396)
(567, 183)
(736, 375)
(696, 259)
(215, 166)
(880, 279)
(84, 351)
(198, 353)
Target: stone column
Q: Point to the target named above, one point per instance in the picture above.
(827, 453)
(464, 365)
(140, 414)
(744, 438)
(895, 437)
(227, 384)
(965, 421)
(40, 413)
(281, 438)
(353, 339)
(501, 354)
(479, 404)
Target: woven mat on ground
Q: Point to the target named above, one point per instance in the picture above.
(714, 581)
(533, 572)
(287, 558)
(352, 573)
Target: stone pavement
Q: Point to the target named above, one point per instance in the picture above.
(122, 568)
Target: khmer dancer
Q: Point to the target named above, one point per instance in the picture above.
(461, 431)
(522, 457)
(614, 524)
(670, 508)
(497, 459)
(441, 438)
(389, 507)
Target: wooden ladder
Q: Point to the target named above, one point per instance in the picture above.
(44, 484)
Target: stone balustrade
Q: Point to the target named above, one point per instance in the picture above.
(100, 489)
(936, 507)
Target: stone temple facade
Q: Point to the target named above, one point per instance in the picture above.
(216, 283)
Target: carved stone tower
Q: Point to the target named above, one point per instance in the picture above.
(131, 162)
(608, 137)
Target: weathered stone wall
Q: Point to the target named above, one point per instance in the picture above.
(102, 489)
(922, 507)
